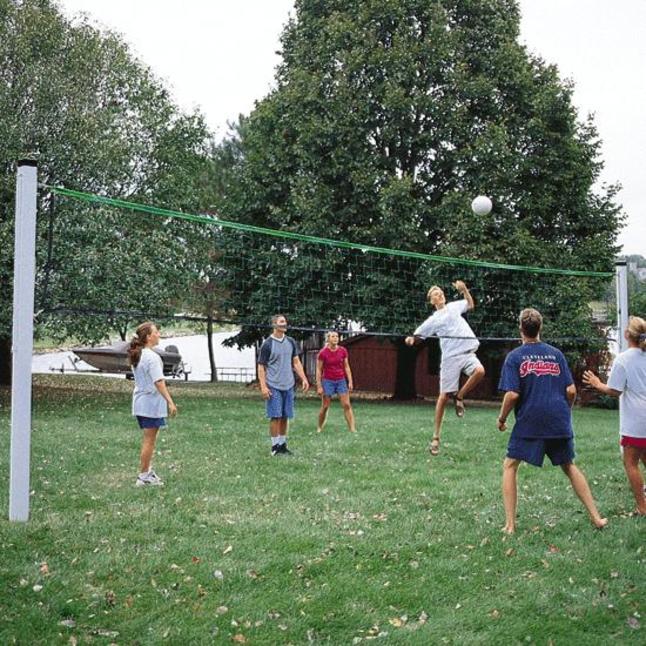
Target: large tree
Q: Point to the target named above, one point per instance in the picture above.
(387, 118)
(99, 121)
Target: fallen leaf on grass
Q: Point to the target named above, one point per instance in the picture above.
(553, 549)
(44, 569)
(100, 632)
(228, 549)
(68, 623)
(240, 639)
(37, 588)
(218, 575)
(633, 622)
(221, 610)
(510, 552)
(495, 614)
(396, 622)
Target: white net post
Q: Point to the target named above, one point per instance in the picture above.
(621, 273)
(22, 338)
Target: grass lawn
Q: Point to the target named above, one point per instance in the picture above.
(352, 539)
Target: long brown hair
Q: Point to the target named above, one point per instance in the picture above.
(637, 331)
(138, 342)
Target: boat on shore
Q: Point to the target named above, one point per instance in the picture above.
(114, 358)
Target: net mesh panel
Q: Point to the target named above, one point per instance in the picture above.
(320, 283)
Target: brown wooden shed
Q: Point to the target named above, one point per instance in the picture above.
(373, 360)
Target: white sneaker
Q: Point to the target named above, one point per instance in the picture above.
(150, 479)
(153, 476)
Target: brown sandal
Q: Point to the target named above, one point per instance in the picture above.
(434, 446)
(459, 405)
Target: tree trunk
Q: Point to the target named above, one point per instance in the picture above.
(5, 361)
(209, 338)
(405, 380)
(123, 331)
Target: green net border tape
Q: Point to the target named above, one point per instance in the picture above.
(203, 219)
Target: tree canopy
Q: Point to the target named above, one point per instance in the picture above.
(96, 119)
(387, 118)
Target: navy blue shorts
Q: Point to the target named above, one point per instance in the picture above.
(151, 422)
(280, 404)
(559, 450)
(333, 387)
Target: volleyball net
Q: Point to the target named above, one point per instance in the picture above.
(321, 283)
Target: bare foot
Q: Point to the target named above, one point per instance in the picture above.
(352, 430)
(319, 430)
(434, 447)
(600, 523)
(508, 529)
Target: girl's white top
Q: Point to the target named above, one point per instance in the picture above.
(628, 375)
(147, 401)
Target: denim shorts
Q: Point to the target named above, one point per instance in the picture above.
(560, 450)
(280, 404)
(151, 422)
(333, 387)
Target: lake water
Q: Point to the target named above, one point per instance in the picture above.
(232, 364)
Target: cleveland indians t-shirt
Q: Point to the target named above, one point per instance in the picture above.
(540, 374)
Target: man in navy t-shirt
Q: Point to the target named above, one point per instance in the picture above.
(539, 388)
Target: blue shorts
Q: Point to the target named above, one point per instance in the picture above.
(151, 422)
(333, 387)
(560, 450)
(280, 404)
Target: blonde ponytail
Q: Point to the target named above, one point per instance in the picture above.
(637, 331)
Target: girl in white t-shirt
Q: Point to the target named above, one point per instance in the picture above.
(628, 382)
(151, 401)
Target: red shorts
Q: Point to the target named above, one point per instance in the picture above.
(637, 442)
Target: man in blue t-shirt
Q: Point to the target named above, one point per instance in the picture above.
(277, 363)
(539, 387)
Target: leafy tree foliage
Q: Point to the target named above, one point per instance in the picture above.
(388, 117)
(97, 120)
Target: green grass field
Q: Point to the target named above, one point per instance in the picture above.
(352, 539)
